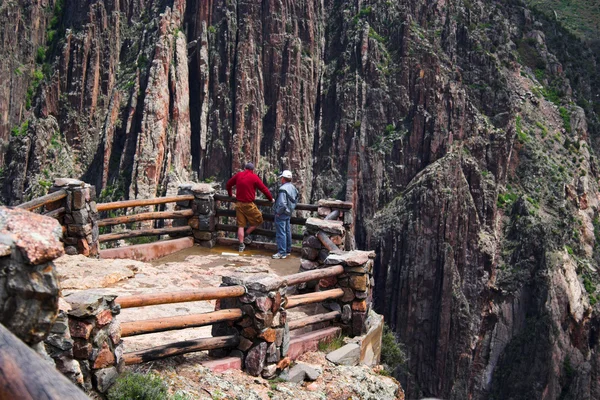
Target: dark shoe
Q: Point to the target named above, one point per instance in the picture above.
(242, 247)
(247, 240)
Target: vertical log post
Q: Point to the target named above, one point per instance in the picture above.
(263, 331)
(203, 221)
(81, 217)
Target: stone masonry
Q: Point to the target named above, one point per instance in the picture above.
(96, 336)
(80, 217)
(204, 219)
(263, 330)
(357, 283)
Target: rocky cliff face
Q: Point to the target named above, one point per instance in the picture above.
(464, 132)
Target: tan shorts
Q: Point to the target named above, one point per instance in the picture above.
(247, 214)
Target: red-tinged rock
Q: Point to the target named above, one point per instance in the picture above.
(284, 363)
(255, 359)
(35, 236)
(268, 334)
(329, 282)
(245, 344)
(264, 303)
(80, 329)
(276, 302)
(83, 247)
(82, 350)
(105, 358)
(249, 332)
(359, 305)
(104, 318)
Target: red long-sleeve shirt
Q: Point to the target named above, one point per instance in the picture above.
(246, 183)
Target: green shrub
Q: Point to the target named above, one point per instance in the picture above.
(134, 386)
(392, 353)
(327, 346)
(566, 117)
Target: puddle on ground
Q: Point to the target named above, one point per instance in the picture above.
(206, 258)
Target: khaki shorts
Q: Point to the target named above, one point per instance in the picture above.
(247, 214)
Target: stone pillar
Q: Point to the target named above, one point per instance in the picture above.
(263, 330)
(96, 335)
(29, 289)
(59, 346)
(80, 218)
(326, 207)
(314, 252)
(357, 282)
(204, 219)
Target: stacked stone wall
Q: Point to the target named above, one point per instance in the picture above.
(80, 218)
(203, 205)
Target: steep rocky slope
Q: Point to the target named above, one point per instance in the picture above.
(467, 129)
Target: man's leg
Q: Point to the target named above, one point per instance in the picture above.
(288, 236)
(250, 229)
(241, 234)
(280, 235)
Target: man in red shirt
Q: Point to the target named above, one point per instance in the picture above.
(246, 212)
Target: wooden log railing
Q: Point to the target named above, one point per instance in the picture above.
(55, 213)
(313, 319)
(44, 200)
(180, 297)
(257, 231)
(267, 203)
(126, 219)
(185, 230)
(143, 202)
(178, 348)
(315, 274)
(25, 375)
(178, 322)
(316, 297)
(266, 217)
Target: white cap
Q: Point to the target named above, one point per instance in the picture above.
(286, 174)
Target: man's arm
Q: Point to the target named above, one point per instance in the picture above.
(263, 188)
(230, 184)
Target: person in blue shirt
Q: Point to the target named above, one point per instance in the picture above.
(286, 201)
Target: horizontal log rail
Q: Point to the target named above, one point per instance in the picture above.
(55, 213)
(178, 322)
(42, 201)
(257, 231)
(267, 203)
(314, 319)
(266, 217)
(145, 232)
(316, 297)
(143, 202)
(126, 219)
(25, 375)
(177, 348)
(180, 297)
(308, 276)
